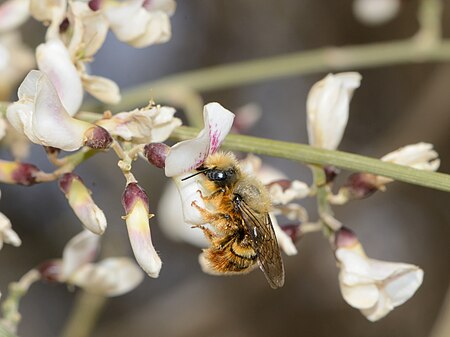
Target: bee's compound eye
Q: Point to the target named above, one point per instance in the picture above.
(216, 175)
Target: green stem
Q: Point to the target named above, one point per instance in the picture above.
(294, 64)
(315, 156)
(84, 316)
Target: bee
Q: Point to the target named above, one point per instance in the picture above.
(241, 234)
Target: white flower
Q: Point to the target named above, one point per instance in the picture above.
(135, 203)
(151, 124)
(7, 234)
(80, 200)
(327, 109)
(140, 23)
(12, 14)
(109, 277)
(374, 287)
(40, 115)
(54, 60)
(375, 12)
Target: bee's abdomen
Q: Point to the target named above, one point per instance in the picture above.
(234, 257)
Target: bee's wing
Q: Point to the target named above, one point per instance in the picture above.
(265, 244)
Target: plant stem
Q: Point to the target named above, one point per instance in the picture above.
(289, 65)
(315, 156)
(84, 316)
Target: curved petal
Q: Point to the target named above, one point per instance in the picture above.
(109, 277)
(327, 109)
(284, 240)
(420, 156)
(80, 250)
(102, 88)
(361, 296)
(157, 30)
(51, 123)
(190, 154)
(53, 58)
(172, 221)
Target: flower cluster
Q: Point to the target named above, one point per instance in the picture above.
(372, 286)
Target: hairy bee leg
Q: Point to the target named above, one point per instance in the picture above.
(209, 234)
(219, 220)
(214, 197)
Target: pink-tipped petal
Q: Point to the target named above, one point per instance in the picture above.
(190, 154)
(12, 14)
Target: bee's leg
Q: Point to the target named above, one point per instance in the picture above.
(216, 194)
(209, 234)
(220, 220)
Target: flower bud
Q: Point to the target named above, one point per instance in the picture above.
(345, 238)
(97, 138)
(80, 200)
(156, 154)
(50, 270)
(292, 230)
(135, 203)
(361, 185)
(331, 172)
(94, 4)
(17, 173)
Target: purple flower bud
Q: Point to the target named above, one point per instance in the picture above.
(50, 270)
(156, 154)
(66, 181)
(64, 25)
(94, 4)
(293, 230)
(133, 193)
(362, 185)
(98, 138)
(18, 173)
(345, 237)
(331, 173)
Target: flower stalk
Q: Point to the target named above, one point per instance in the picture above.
(315, 156)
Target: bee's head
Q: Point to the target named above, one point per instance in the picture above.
(219, 168)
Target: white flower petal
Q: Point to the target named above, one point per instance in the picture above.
(80, 250)
(102, 88)
(327, 108)
(12, 14)
(157, 30)
(420, 156)
(54, 59)
(189, 154)
(284, 240)
(166, 6)
(51, 123)
(171, 219)
(109, 277)
(7, 234)
(375, 12)
(280, 196)
(141, 242)
(375, 287)
(46, 10)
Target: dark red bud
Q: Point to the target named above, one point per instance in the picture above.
(362, 185)
(133, 193)
(66, 181)
(345, 237)
(64, 25)
(94, 4)
(331, 173)
(25, 174)
(156, 154)
(50, 270)
(98, 138)
(293, 230)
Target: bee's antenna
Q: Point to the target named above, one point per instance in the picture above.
(193, 175)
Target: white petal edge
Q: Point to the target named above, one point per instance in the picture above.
(190, 154)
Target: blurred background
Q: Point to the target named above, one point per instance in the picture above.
(395, 106)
